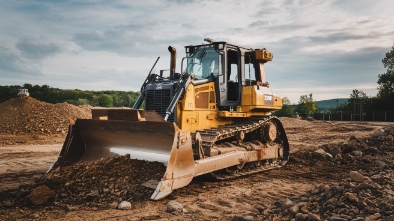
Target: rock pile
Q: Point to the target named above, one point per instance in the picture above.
(101, 184)
(26, 115)
(365, 194)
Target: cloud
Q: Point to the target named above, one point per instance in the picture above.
(37, 50)
(133, 39)
(130, 39)
(13, 66)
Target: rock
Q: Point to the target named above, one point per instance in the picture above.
(301, 217)
(357, 177)
(304, 209)
(304, 199)
(295, 209)
(336, 188)
(320, 153)
(242, 218)
(267, 212)
(357, 153)
(335, 151)
(351, 197)
(174, 207)
(278, 204)
(124, 205)
(289, 202)
(373, 217)
(313, 217)
(114, 205)
(71, 208)
(93, 193)
(378, 133)
(329, 207)
(338, 157)
(41, 195)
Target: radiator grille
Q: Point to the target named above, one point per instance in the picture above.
(202, 100)
(159, 100)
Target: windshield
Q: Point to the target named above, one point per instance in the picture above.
(204, 63)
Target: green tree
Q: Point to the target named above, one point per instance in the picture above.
(358, 98)
(124, 100)
(287, 109)
(307, 105)
(356, 94)
(115, 99)
(386, 80)
(105, 100)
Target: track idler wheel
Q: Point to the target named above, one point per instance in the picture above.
(269, 132)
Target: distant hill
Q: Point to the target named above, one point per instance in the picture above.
(326, 104)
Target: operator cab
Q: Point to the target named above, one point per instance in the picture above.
(230, 66)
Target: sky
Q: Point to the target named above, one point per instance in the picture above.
(323, 47)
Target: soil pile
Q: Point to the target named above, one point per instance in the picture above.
(292, 123)
(101, 184)
(26, 115)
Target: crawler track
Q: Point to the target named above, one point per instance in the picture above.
(249, 135)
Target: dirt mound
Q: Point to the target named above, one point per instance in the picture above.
(26, 115)
(101, 184)
(289, 123)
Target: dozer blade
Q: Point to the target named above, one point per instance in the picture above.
(91, 140)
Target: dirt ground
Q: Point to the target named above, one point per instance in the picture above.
(307, 179)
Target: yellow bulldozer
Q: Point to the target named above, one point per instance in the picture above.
(212, 118)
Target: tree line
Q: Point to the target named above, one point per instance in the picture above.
(77, 97)
(383, 101)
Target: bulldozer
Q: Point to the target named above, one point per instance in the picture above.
(214, 117)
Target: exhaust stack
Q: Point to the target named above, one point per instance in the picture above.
(172, 50)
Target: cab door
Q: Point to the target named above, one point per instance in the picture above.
(229, 82)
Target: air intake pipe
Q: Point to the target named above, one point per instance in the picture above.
(173, 61)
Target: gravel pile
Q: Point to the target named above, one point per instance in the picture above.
(101, 184)
(26, 115)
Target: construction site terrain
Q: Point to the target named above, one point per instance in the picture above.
(337, 171)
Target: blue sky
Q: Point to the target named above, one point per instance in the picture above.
(327, 48)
